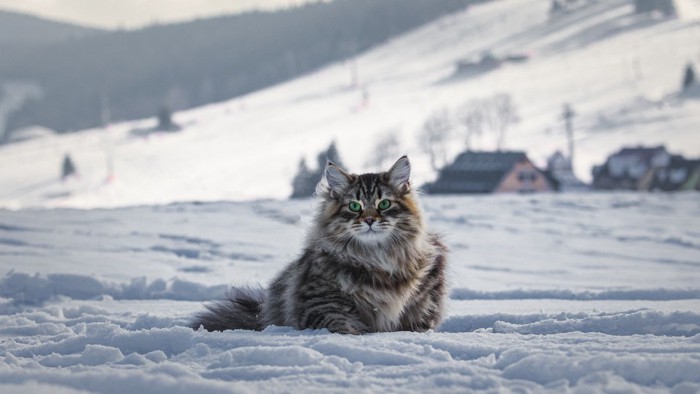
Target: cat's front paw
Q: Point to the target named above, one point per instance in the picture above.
(347, 328)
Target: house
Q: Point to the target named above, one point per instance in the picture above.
(666, 7)
(488, 62)
(491, 172)
(679, 174)
(625, 169)
(559, 167)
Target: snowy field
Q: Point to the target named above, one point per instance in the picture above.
(549, 293)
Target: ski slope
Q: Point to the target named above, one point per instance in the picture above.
(548, 293)
(621, 73)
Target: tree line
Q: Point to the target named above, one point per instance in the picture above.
(190, 64)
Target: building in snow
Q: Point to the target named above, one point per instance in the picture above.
(559, 167)
(644, 168)
(666, 7)
(679, 174)
(491, 172)
(625, 169)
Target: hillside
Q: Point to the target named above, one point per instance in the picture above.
(20, 30)
(184, 65)
(621, 73)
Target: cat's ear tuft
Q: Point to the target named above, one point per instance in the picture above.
(399, 175)
(337, 179)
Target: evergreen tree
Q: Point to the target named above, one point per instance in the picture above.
(688, 76)
(68, 168)
(165, 120)
(303, 184)
(331, 154)
(305, 181)
(555, 8)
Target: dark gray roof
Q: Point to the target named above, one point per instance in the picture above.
(641, 152)
(475, 172)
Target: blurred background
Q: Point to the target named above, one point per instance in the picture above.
(119, 103)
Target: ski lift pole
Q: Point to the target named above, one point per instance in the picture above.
(105, 116)
(568, 116)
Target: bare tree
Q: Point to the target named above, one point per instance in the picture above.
(472, 117)
(502, 113)
(434, 135)
(386, 151)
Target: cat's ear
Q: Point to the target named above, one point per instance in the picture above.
(337, 179)
(399, 175)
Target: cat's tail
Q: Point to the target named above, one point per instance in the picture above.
(241, 308)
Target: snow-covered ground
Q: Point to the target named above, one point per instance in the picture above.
(621, 72)
(549, 293)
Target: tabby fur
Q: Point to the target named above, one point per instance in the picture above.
(373, 270)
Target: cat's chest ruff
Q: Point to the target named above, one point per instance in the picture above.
(387, 308)
(383, 299)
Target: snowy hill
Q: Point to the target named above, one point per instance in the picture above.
(621, 73)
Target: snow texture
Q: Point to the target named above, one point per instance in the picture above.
(550, 293)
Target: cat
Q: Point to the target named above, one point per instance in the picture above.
(369, 265)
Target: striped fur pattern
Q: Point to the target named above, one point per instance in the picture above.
(367, 266)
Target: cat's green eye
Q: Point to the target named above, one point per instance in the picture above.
(384, 204)
(355, 206)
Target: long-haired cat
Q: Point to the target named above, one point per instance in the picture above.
(369, 265)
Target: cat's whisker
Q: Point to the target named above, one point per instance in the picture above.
(364, 261)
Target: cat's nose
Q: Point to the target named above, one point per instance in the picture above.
(369, 220)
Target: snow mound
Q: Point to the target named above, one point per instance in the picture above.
(533, 294)
(618, 323)
(36, 289)
(105, 352)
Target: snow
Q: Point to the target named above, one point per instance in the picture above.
(549, 293)
(621, 73)
(30, 132)
(688, 9)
